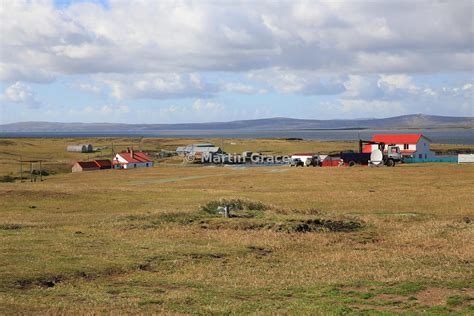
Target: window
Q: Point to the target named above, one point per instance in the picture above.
(420, 156)
(147, 164)
(426, 156)
(406, 146)
(134, 165)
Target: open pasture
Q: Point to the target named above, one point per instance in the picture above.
(136, 240)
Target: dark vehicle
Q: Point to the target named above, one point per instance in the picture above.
(380, 156)
(355, 158)
(296, 162)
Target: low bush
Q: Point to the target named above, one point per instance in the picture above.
(5, 179)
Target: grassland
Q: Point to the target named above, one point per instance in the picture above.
(136, 241)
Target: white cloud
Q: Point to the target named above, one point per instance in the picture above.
(156, 86)
(238, 87)
(89, 87)
(298, 81)
(206, 105)
(20, 93)
(41, 42)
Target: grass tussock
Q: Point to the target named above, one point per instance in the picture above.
(212, 207)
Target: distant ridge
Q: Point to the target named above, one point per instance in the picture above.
(279, 123)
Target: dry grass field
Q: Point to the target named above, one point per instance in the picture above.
(136, 240)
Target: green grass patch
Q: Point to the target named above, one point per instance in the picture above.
(456, 300)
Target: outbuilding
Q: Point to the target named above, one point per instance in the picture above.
(198, 149)
(85, 166)
(91, 165)
(81, 148)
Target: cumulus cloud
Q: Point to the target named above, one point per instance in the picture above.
(40, 41)
(389, 95)
(298, 81)
(156, 86)
(206, 105)
(239, 88)
(21, 94)
(362, 55)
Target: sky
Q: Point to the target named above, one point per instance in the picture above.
(202, 61)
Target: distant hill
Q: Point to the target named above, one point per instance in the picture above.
(406, 121)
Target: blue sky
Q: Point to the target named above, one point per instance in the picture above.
(200, 61)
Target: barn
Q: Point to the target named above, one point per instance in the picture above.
(411, 145)
(81, 148)
(131, 159)
(201, 149)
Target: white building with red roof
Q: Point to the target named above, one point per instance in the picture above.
(132, 159)
(411, 145)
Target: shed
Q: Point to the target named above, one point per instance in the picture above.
(80, 148)
(85, 166)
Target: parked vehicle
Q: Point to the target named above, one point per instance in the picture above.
(381, 156)
(313, 161)
(352, 158)
(296, 162)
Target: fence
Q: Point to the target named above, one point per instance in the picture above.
(436, 160)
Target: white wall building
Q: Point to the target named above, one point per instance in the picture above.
(411, 145)
(131, 159)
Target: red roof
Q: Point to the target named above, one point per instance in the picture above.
(136, 158)
(398, 138)
(103, 163)
(88, 164)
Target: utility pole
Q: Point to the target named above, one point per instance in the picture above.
(41, 173)
(21, 169)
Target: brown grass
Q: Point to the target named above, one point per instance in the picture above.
(92, 241)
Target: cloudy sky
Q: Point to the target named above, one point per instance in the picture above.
(197, 61)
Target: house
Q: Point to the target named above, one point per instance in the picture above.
(411, 145)
(131, 159)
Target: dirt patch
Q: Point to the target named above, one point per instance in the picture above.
(285, 226)
(439, 296)
(30, 194)
(44, 282)
(377, 308)
(152, 263)
(11, 226)
(260, 252)
(4, 142)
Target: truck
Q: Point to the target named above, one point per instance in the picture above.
(379, 156)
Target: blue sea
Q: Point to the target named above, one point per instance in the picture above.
(440, 136)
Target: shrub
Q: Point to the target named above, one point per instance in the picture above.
(7, 179)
